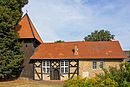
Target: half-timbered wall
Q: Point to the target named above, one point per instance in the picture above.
(37, 70)
(66, 70)
(84, 68)
(73, 68)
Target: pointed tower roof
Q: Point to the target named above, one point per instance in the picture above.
(26, 29)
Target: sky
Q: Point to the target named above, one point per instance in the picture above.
(72, 20)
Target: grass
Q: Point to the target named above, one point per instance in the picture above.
(31, 83)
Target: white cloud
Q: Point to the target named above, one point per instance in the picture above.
(73, 19)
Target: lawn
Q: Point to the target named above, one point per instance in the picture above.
(31, 83)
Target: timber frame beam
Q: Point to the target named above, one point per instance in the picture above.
(73, 68)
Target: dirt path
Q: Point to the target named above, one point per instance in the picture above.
(31, 83)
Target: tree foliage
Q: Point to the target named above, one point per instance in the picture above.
(120, 75)
(59, 41)
(112, 77)
(101, 35)
(10, 54)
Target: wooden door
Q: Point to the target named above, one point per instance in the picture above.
(55, 70)
(55, 74)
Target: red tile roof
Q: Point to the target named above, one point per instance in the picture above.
(86, 50)
(26, 29)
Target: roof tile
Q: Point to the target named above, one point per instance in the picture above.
(26, 29)
(86, 50)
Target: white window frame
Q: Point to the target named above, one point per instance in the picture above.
(102, 65)
(94, 65)
(64, 66)
(45, 66)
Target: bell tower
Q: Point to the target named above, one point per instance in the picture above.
(30, 39)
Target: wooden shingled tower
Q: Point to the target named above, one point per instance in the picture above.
(30, 39)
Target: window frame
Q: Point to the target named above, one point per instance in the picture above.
(64, 66)
(94, 64)
(46, 67)
(101, 65)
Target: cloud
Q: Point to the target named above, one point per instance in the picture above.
(74, 19)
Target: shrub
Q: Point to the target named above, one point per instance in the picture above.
(93, 82)
(112, 77)
(75, 82)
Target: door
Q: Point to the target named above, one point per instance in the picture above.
(55, 67)
(55, 74)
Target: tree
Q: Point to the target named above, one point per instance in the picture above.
(59, 41)
(102, 35)
(10, 54)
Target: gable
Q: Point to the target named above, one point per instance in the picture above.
(26, 29)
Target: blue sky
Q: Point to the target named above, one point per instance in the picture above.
(72, 20)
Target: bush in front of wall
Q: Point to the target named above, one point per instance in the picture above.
(92, 82)
(75, 82)
(112, 77)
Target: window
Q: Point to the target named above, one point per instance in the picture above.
(46, 66)
(101, 64)
(64, 66)
(94, 65)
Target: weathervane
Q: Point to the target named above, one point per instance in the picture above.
(26, 11)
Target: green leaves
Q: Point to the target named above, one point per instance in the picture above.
(10, 55)
(101, 35)
(91, 82)
(112, 77)
(59, 41)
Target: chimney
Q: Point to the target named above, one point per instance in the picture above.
(75, 50)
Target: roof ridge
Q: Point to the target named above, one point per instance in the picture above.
(31, 30)
(30, 24)
(20, 20)
(35, 30)
(32, 27)
(78, 42)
